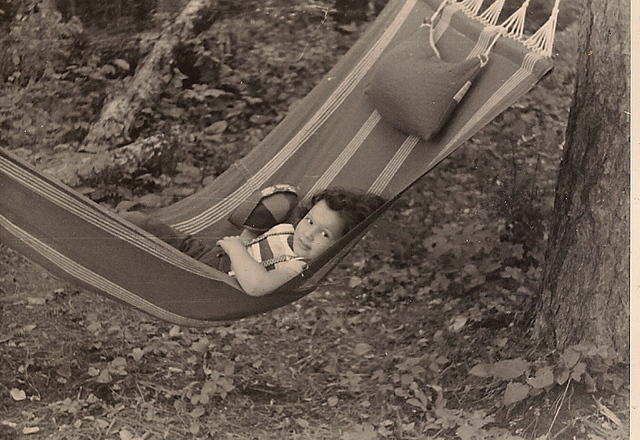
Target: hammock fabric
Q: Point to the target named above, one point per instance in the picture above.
(334, 137)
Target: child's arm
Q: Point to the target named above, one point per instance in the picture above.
(254, 279)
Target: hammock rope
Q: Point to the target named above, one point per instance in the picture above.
(471, 7)
(431, 22)
(490, 16)
(542, 40)
(514, 25)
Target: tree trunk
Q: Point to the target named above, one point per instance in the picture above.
(155, 153)
(585, 286)
(351, 10)
(114, 127)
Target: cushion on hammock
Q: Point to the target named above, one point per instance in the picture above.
(417, 92)
(266, 208)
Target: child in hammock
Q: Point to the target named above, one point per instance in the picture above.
(265, 262)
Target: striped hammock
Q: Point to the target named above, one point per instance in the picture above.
(334, 137)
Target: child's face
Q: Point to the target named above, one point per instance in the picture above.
(317, 231)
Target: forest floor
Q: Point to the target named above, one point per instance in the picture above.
(423, 331)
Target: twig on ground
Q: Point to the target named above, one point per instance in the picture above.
(557, 434)
(558, 409)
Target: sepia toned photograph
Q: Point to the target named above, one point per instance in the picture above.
(315, 219)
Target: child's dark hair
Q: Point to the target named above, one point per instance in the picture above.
(353, 207)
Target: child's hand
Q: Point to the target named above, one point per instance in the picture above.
(230, 243)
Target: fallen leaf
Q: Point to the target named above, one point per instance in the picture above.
(415, 402)
(562, 376)
(570, 357)
(104, 376)
(150, 200)
(137, 354)
(509, 368)
(361, 349)
(360, 432)
(17, 394)
(198, 411)
(30, 430)
(332, 401)
(260, 119)
(578, 371)
(36, 301)
(481, 370)
(354, 282)
(64, 371)
(121, 64)
(589, 383)
(457, 323)
(500, 342)
(515, 392)
(201, 346)
(119, 362)
(542, 379)
(467, 432)
(125, 435)
(216, 127)
(125, 205)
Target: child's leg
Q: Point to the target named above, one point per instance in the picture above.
(161, 230)
(206, 252)
(194, 247)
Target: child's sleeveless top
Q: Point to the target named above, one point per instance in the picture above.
(274, 249)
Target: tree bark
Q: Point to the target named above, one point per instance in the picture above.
(116, 122)
(585, 287)
(155, 153)
(351, 10)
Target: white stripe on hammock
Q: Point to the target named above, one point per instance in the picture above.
(145, 241)
(381, 182)
(87, 276)
(345, 155)
(255, 182)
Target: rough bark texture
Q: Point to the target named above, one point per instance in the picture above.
(351, 10)
(585, 288)
(144, 154)
(117, 119)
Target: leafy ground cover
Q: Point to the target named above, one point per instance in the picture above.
(421, 332)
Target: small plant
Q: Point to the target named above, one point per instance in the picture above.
(41, 44)
(583, 363)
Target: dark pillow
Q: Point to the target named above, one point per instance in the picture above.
(417, 92)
